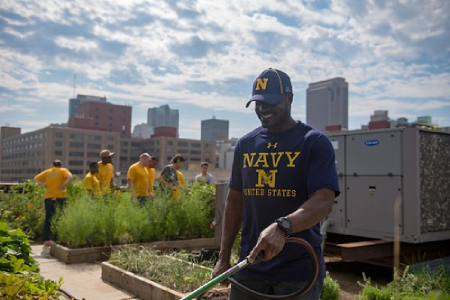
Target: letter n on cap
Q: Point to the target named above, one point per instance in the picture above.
(261, 83)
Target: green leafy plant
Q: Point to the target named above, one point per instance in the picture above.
(423, 284)
(23, 207)
(19, 278)
(199, 209)
(119, 219)
(177, 274)
(14, 249)
(331, 288)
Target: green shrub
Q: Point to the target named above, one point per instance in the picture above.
(15, 250)
(23, 207)
(199, 209)
(19, 278)
(331, 288)
(119, 219)
(425, 284)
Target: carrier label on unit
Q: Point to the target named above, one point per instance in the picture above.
(371, 142)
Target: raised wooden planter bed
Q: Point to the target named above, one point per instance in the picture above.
(80, 255)
(98, 254)
(143, 288)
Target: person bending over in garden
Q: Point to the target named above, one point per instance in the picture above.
(91, 182)
(55, 181)
(169, 177)
(283, 183)
(138, 179)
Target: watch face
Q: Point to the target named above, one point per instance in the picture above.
(285, 223)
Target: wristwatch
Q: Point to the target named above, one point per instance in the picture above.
(285, 224)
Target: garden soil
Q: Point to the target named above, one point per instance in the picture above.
(348, 275)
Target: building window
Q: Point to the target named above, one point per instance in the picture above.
(94, 137)
(94, 146)
(58, 143)
(76, 145)
(58, 153)
(75, 162)
(76, 136)
(59, 134)
(76, 153)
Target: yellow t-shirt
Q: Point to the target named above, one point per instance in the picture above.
(92, 184)
(53, 179)
(138, 174)
(180, 177)
(105, 175)
(178, 192)
(151, 178)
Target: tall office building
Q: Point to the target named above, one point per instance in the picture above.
(74, 103)
(214, 130)
(104, 116)
(327, 104)
(163, 116)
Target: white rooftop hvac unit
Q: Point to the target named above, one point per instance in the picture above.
(379, 168)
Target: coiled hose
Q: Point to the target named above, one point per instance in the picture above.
(300, 292)
(228, 273)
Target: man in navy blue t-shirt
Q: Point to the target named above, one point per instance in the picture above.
(283, 182)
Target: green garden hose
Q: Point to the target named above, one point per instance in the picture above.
(226, 276)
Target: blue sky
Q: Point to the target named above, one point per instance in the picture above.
(201, 57)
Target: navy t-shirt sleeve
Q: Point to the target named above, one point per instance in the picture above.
(322, 170)
(236, 174)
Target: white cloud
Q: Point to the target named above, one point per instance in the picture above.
(77, 44)
(390, 53)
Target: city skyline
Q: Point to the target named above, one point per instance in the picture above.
(201, 57)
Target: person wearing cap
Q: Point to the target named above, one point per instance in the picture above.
(152, 174)
(171, 177)
(283, 183)
(105, 173)
(55, 181)
(138, 181)
(91, 182)
(204, 176)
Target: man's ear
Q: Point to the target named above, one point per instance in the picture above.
(290, 98)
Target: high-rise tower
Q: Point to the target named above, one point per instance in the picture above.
(327, 104)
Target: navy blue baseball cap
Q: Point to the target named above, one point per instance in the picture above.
(270, 86)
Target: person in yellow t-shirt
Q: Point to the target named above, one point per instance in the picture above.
(91, 182)
(138, 179)
(105, 173)
(55, 181)
(152, 175)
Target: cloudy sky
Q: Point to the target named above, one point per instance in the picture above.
(201, 56)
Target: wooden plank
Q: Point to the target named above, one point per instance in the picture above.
(141, 287)
(363, 244)
(208, 243)
(359, 251)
